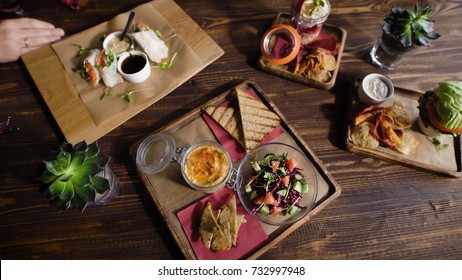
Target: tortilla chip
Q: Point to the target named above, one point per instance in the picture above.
(363, 117)
(219, 228)
(409, 145)
(361, 136)
(401, 116)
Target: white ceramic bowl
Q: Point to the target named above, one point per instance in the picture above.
(375, 88)
(117, 35)
(141, 71)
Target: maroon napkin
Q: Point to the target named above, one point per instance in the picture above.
(73, 4)
(251, 233)
(324, 42)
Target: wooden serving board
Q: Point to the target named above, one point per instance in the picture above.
(446, 161)
(63, 100)
(176, 195)
(282, 70)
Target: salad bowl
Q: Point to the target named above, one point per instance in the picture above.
(276, 184)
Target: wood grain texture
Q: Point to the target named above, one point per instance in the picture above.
(62, 97)
(385, 211)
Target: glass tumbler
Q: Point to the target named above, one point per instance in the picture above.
(387, 52)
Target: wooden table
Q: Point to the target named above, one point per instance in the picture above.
(385, 211)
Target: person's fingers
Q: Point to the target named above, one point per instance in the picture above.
(39, 37)
(32, 33)
(29, 42)
(31, 23)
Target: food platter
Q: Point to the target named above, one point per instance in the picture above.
(65, 102)
(282, 70)
(172, 195)
(428, 157)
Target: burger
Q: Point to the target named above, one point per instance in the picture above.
(440, 110)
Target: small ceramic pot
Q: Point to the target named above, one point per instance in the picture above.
(134, 66)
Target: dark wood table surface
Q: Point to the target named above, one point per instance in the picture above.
(385, 210)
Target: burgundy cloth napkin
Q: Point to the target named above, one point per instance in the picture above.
(324, 42)
(73, 4)
(251, 233)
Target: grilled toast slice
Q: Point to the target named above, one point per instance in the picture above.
(229, 119)
(257, 120)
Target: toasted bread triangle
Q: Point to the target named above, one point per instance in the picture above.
(229, 119)
(257, 120)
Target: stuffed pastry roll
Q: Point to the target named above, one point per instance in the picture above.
(107, 64)
(155, 48)
(89, 70)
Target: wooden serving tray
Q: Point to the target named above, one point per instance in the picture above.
(175, 195)
(428, 158)
(63, 100)
(282, 70)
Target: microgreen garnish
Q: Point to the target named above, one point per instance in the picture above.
(317, 4)
(166, 65)
(169, 37)
(124, 96)
(106, 93)
(82, 50)
(438, 144)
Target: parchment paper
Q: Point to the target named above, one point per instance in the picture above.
(427, 152)
(158, 84)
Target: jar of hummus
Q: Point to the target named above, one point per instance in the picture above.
(206, 166)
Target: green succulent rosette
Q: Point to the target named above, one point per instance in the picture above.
(70, 178)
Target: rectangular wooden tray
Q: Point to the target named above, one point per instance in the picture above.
(421, 160)
(175, 196)
(281, 70)
(63, 100)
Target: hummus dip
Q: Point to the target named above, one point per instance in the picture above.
(118, 46)
(206, 166)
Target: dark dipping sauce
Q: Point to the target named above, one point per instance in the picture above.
(133, 64)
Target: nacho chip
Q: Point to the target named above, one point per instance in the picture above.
(317, 65)
(219, 228)
(409, 145)
(401, 116)
(361, 136)
(329, 62)
(363, 117)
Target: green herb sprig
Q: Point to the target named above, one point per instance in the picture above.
(166, 65)
(317, 4)
(438, 144)
(82, 50)
(124, 96)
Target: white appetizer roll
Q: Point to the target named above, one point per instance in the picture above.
(107, 63)
(153, 46)
(91, 72)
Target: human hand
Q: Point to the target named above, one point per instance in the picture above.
(22, 35)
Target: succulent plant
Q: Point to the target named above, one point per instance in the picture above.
(411, 26)
(70, 177)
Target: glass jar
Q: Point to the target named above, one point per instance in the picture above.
(206, 166)
(308, 17)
